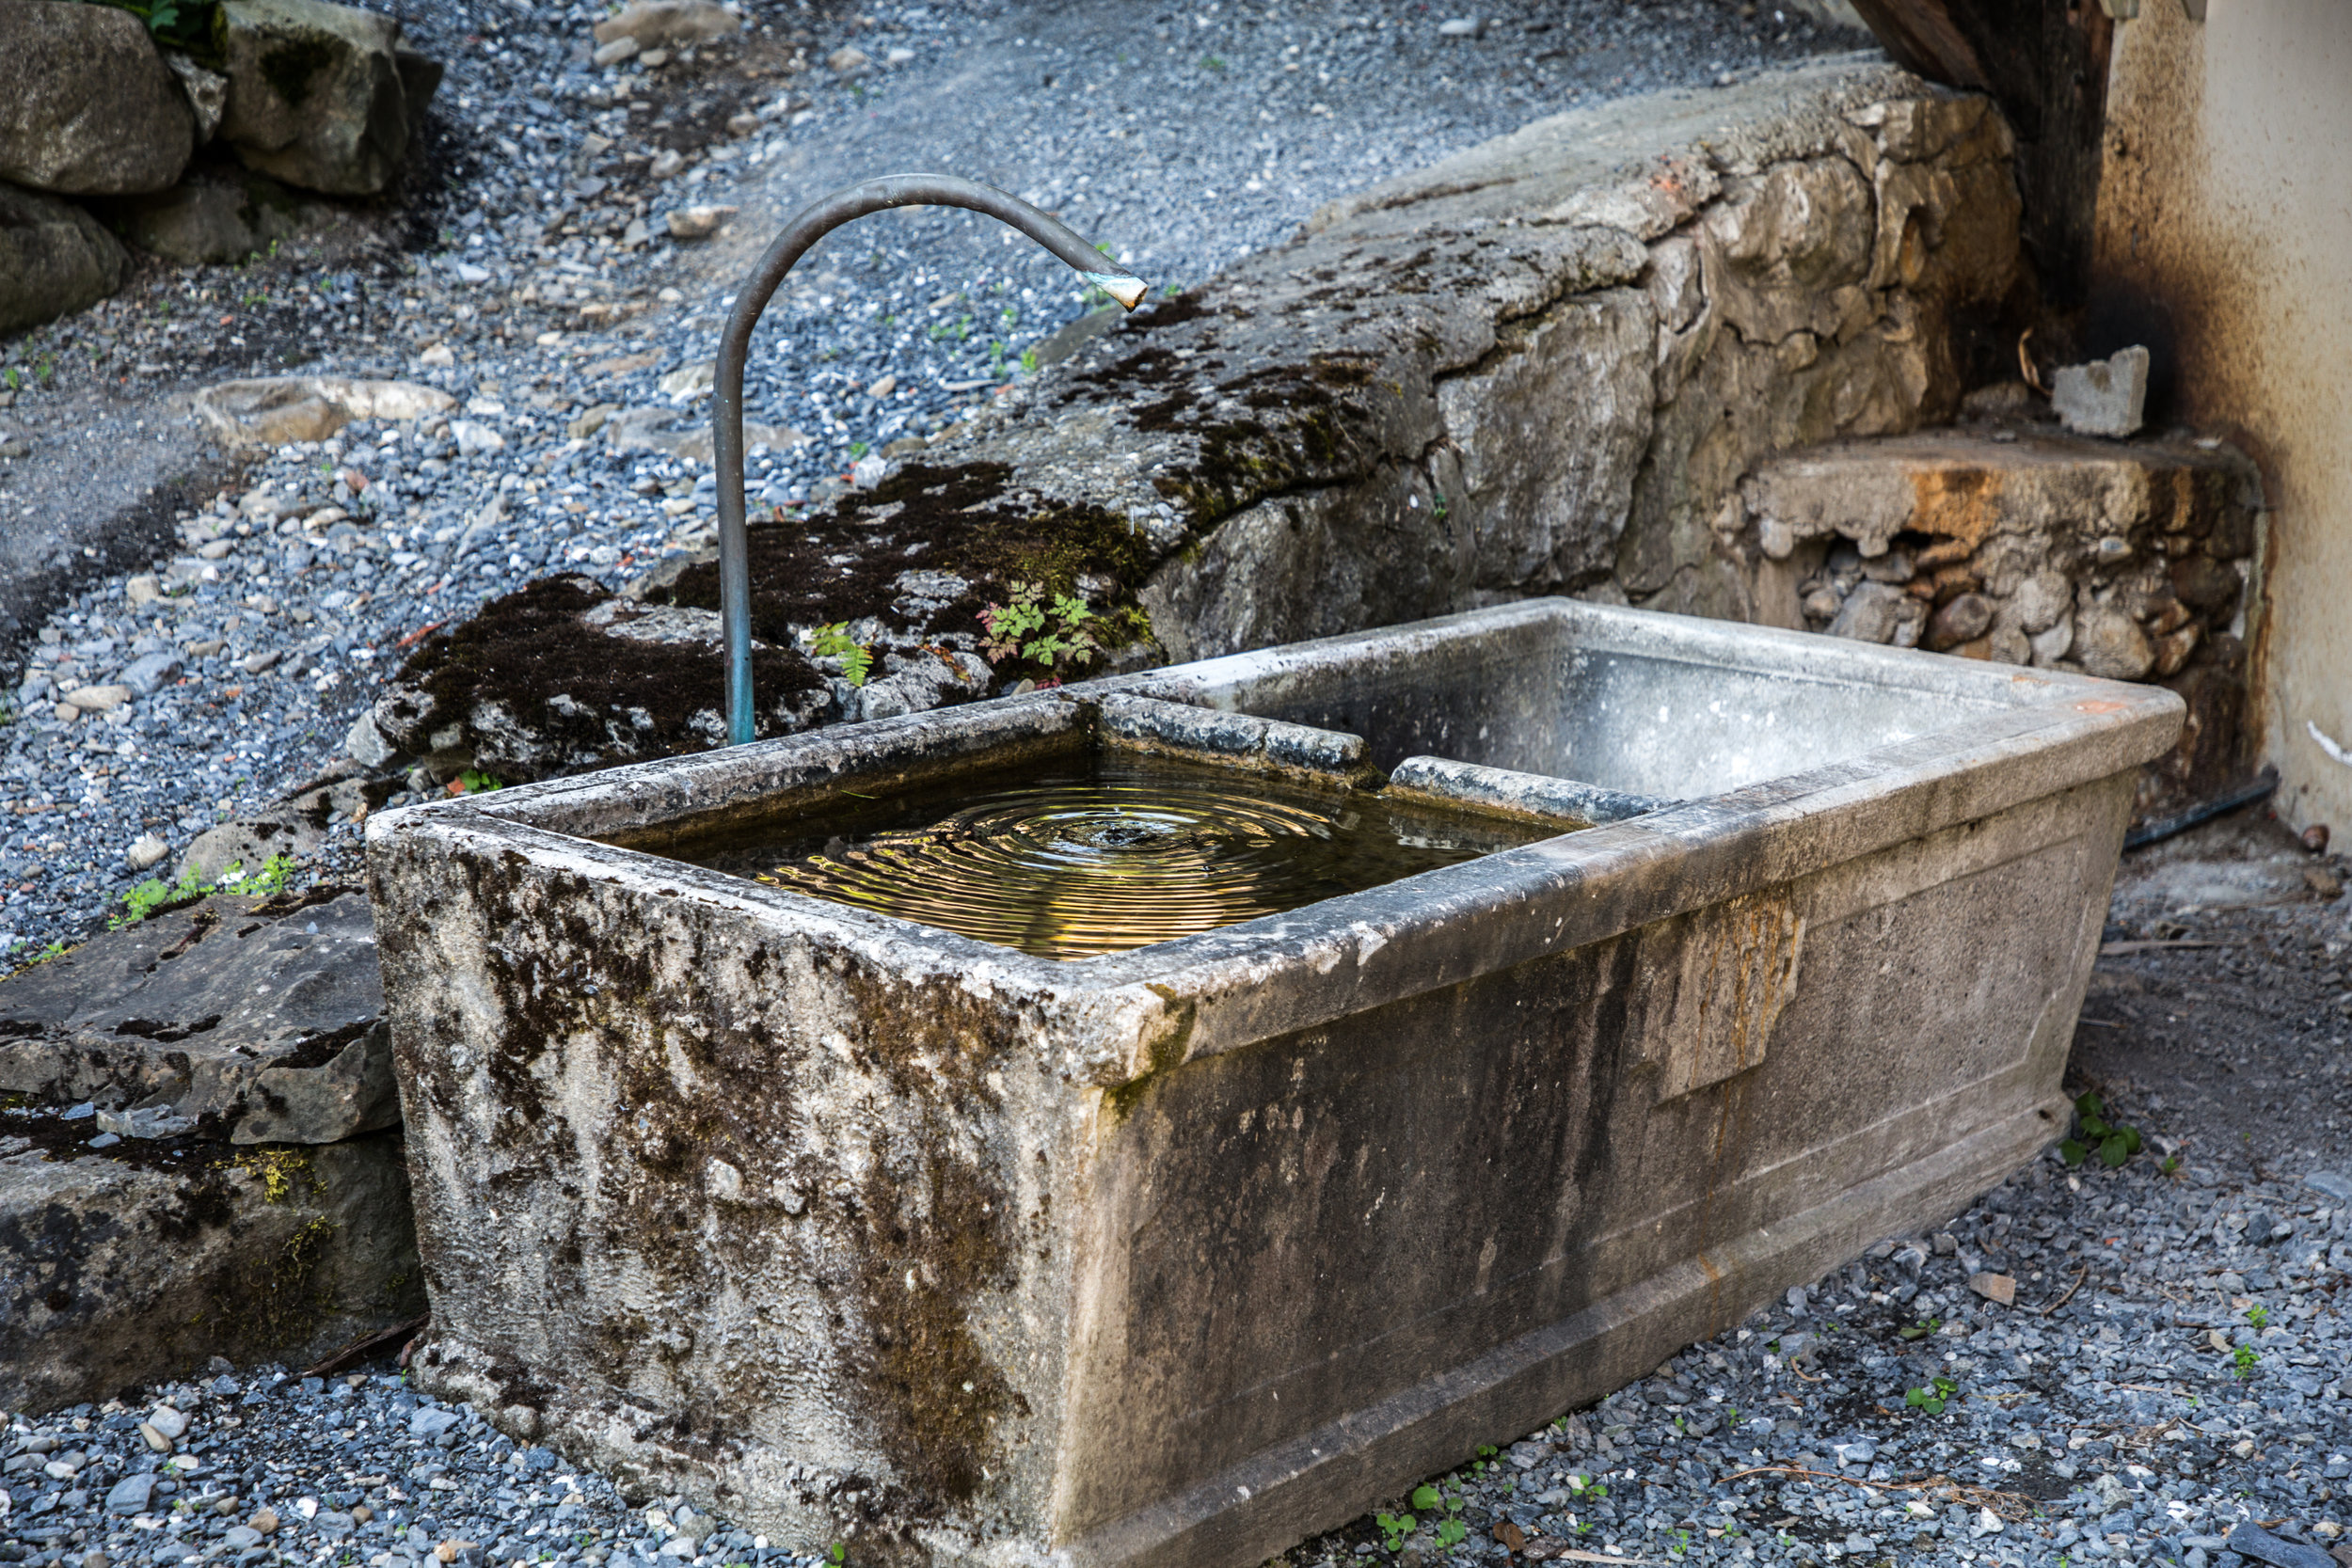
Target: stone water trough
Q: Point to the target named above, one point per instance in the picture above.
(854, 1228)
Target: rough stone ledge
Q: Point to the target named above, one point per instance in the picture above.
(261, 1019)
(1543, 366)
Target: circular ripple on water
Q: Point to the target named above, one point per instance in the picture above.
(1071, 869)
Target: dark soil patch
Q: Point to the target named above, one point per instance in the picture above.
(2228, 1028)
(59, 1140)
(529, 649)
(1159, 314)
(694, 97)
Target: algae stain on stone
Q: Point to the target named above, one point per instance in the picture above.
(936, 1241)
(292, 66)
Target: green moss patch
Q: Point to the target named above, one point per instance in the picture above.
(619, 696)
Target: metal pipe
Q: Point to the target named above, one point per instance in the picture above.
(2258, 788)
(726, 409)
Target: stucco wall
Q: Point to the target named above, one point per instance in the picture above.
(2225, 242)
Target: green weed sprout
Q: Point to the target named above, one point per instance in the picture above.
(834, 642)
(1038, 631)
(151, 895)
(1933, 1398)
(2113, 1145)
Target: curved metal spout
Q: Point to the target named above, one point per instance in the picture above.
(726, 408)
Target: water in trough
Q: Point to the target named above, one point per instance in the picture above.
(1108, 850)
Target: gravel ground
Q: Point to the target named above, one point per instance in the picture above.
(2111, 1426)
(531, 291)
(2174, 1371)
(271, 1467)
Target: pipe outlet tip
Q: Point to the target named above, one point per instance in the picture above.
(1128, 291)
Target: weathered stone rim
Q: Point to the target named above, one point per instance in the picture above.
(1252, 981)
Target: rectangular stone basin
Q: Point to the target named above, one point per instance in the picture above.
(854, 1228)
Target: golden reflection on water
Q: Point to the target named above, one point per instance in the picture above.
(1128, 852)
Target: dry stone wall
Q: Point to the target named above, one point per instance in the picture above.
(320, 96)
(2129, 561)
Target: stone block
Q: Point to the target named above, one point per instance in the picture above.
(215, 215)
(317, 96)
(207, 93)
(271, 411)
(1967, 617)
(1551, 439)
(969, 1254)
(139, 1262)
(2109, 643)
(261, 1017)
(1545, 364)
(420, 79)
(87, 107)
(2105, 397)
(1871, 613)
(55, 257)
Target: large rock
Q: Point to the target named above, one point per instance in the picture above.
(87, 107)
(260, 1018)
(138, 1263)
(316, 96)
(270, 411)
(54, 256)
(214, 215)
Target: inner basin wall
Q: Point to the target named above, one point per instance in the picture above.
(854, 1228)
(1670, 706)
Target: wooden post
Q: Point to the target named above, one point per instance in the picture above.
(2045, 63)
